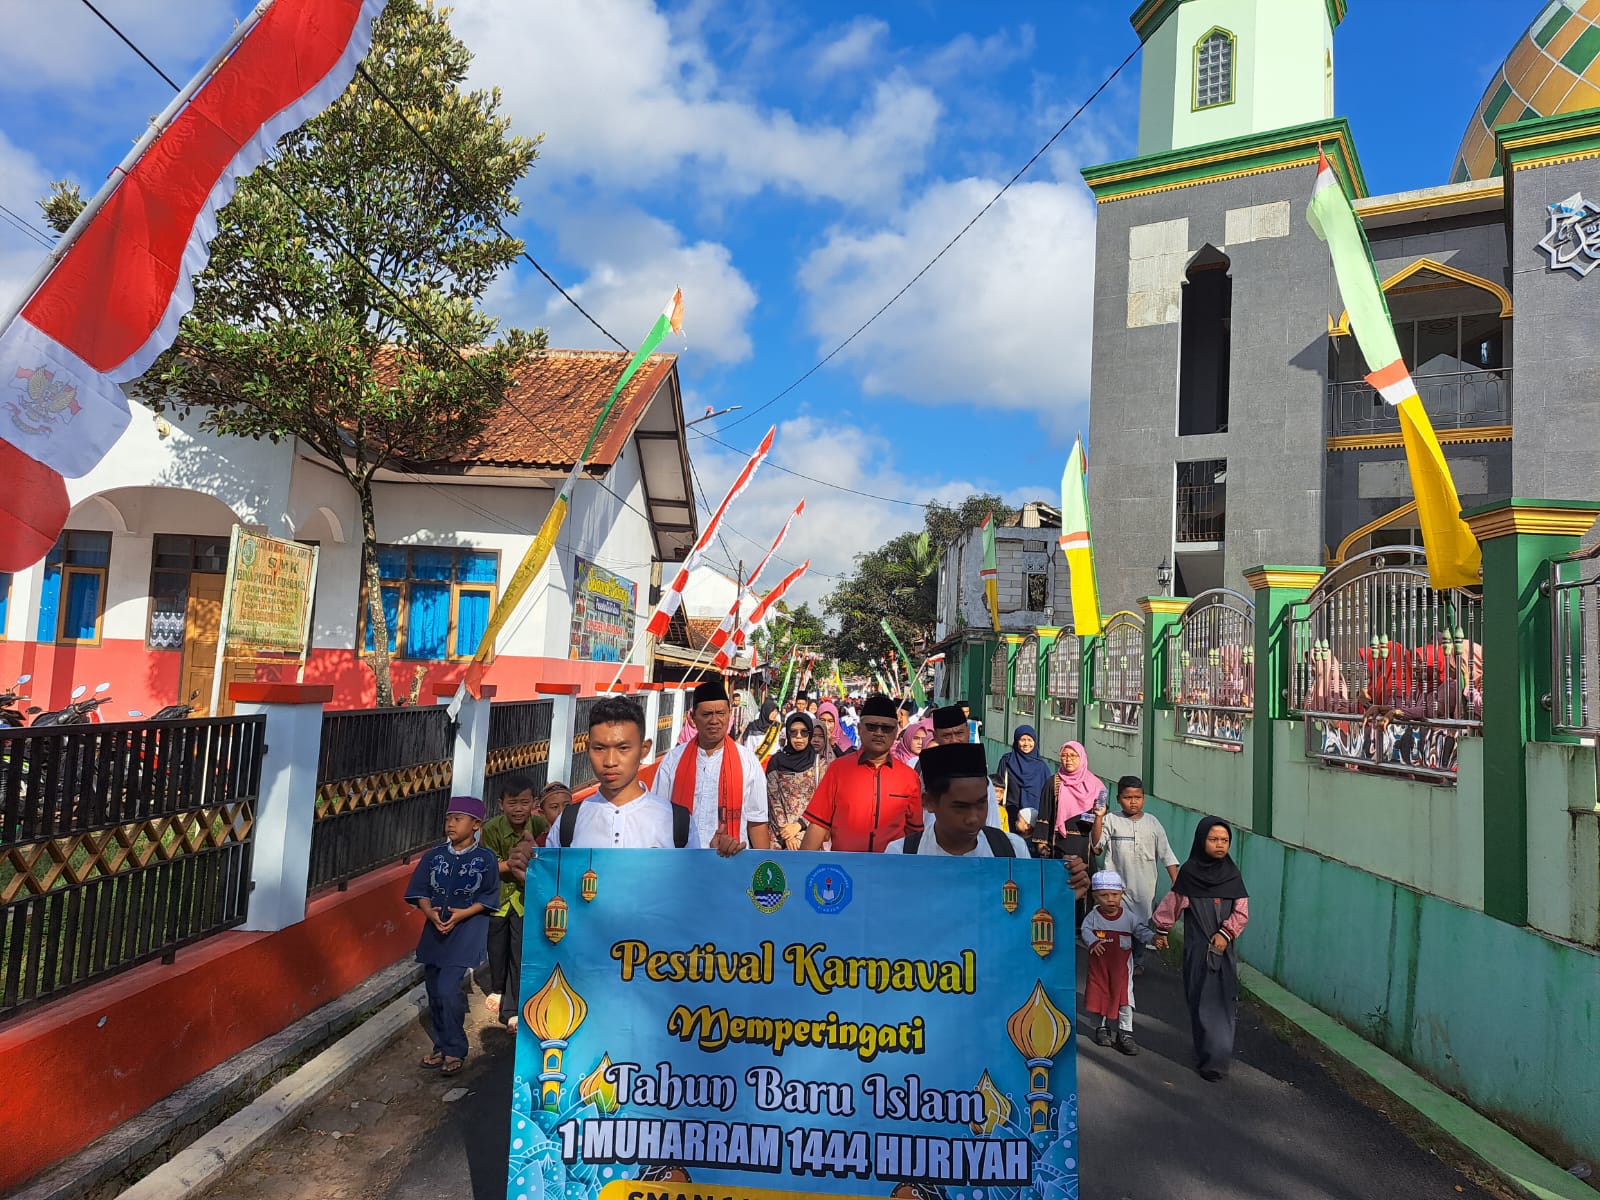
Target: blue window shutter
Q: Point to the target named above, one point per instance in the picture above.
(49, 599)
(391, 614)
(428, 623)
(472, 617)
(476, 566)
(432, 564)
(391, 562)
(83, 605)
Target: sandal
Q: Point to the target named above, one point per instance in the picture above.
(433, 1062)
(451, 1065)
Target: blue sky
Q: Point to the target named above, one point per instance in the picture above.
(791, 166)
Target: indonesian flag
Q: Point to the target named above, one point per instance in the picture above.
(1454, 559)
(672, 598)
(730, 623)
(759, 615)
(990, 574)
(113, 300)
(1077, 545)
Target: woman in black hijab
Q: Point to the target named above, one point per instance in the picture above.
(793, 773)
(1210, 893)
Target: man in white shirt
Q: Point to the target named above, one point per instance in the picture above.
(954, 791)
(950, 728)
(717, 779)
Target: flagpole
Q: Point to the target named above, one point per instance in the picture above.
(120, 171)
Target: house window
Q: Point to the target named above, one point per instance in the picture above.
(174, 559)
(436, 600)
(1205, 344)
(1038, 593)
(1213, 70)
(72, 600)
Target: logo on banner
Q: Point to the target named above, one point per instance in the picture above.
(828, 889)
(1572, 241)
(768, 888)
(43, 402)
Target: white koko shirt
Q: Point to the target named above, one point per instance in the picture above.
(705, 823)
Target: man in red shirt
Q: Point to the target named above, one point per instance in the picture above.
(868, 799)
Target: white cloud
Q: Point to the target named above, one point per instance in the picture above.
(632, 262)
(49, 43)
(22, 184)
(628, 102)
(1003, 319)
(836, 525)
(852, 49)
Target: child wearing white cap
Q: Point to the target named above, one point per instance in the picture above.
(1110, 930)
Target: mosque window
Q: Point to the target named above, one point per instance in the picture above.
(1205, 344)
(1213, 69)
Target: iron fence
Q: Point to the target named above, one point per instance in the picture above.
(1459, 400)
(1119, 672)
(1211, 668)
(1026, 687)
(120, 843)
(582, 769)
(383, 783)
(999, 674)
(1064, 676)
(1575, 643)
(1386, 671)
(519, 744)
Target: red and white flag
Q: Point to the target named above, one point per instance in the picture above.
(113, 300)
(730, 623)
(758, 616)
(672, 598)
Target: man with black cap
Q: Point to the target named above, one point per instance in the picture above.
(950, 728)
(868, 799)
(955, 781)
(719, 781)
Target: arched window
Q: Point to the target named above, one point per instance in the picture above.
(999, 673)
(1027, 674)
(1213, 69)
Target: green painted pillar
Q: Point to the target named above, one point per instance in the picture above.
(1278, 591)
(1159, 614)
(1043, 702)
(1518, 537)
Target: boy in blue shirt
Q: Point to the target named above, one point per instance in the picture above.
(456, 886)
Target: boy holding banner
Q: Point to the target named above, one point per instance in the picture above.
(955, 791)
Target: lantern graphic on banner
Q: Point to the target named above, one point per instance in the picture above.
(1043, 933)
(1039, 1030)
(1010, 894)
(555, 912)
(553, 1015)
(589, 884)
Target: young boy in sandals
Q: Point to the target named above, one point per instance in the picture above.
(457, 886)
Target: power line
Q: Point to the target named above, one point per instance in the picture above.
(824, 482)
(22, 225)
(128, 42)
(945, 249)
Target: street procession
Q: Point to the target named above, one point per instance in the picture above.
(527, 518)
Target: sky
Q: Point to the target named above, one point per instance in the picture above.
(792, 166)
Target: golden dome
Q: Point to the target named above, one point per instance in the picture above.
(1554, 68)
(555, 1011)
(1039, 1029)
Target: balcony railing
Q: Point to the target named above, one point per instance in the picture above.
(1202, 512)
(1463, 400)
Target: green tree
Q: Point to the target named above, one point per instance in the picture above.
(293, 335)
(899, 581)
(788, 628)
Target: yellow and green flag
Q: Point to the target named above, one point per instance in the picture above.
(1454, 559)
(990, 574)
(1077, 544)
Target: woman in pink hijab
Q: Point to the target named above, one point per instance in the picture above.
(837, 741)
(908, 746)
(1067, 812)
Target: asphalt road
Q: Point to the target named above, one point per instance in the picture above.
(1280, 1128)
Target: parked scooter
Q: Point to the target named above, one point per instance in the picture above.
(12, 715)
(172, 712)
(80, 711)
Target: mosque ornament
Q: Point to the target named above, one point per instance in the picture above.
(1572, 242)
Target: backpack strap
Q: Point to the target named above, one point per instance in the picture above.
(999, 844)
(913, 840)
(680, 826)
(567, 824)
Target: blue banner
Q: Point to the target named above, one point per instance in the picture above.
(782, 1025)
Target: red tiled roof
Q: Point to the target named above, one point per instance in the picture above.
(700, 631)
(552, 405)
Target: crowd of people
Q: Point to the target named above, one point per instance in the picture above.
(852, 774)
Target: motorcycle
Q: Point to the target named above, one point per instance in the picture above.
(172, 712)
(79, 712)
(12, 715)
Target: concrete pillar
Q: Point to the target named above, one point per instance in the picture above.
(286, 812)
(1518, 537)
(1160, 612)
(471, 760)
(1278, 592)
(563, 719)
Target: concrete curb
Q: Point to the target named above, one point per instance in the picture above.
(1522, 1167)
(230, 1143)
